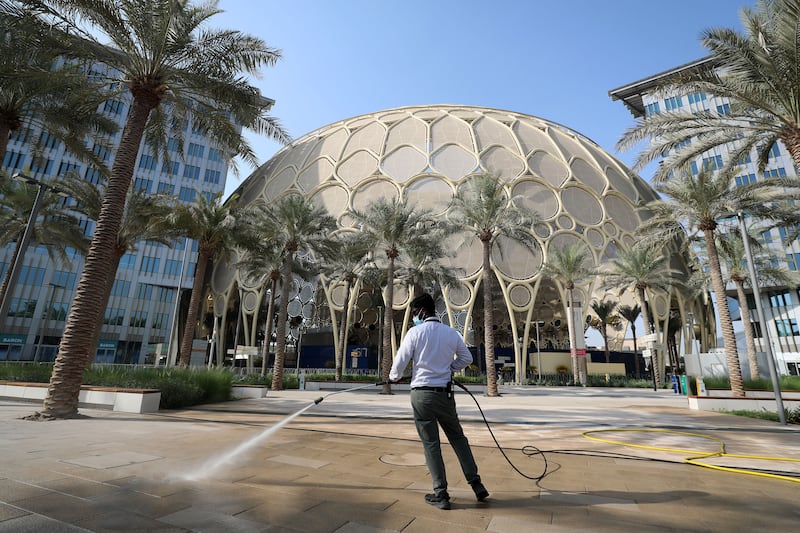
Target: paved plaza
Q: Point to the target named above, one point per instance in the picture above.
(353, 464)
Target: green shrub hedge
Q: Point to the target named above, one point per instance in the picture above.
(786, 383)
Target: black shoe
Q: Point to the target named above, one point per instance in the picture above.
(480, 491)
(441, 501)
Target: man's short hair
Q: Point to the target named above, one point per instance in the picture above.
(425, 302)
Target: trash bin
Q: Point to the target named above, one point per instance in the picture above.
(685, 385)
(675, 384)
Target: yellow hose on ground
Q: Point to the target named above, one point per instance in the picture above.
(696, 455)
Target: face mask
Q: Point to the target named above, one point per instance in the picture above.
(417, 320)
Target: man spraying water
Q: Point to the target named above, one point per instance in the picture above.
(436, 351)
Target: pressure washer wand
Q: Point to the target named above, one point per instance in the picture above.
(319, 400)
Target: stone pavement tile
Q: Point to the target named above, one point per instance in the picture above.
(299, 518)
(355, 512)
(9, 511)
(447, 524)
(144, 504)
(153, 487)
(38, 524)
(60, 507)
(603, 523)
(198, 519)
(80, 488)
(298, 461)
(508, 524)
(119, 520)
(355, 527)
(111, 460)
(12, 491)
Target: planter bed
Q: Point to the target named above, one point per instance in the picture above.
(123, 400)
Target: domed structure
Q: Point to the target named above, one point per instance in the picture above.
(422, 155)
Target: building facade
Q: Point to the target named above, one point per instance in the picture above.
(781, 304)
(140, 317)
(422, 155)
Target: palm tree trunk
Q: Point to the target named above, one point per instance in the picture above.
(791, 139)
(728, 337)
(203, 255)
(488, 321)
(573, 338)
(605, 343)
(283, 317)
(73, 352)
(647, 328)
(5, 131)
(343, 332)
(744, 307)
(388, 316)
(268, 327)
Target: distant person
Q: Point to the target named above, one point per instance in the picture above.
(436, 351)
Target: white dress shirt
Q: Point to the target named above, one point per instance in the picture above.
(436, 350)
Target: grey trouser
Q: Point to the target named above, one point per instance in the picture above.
(431, 410)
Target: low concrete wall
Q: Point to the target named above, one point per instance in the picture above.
(728, 403)
(239, 392)
(123, 400)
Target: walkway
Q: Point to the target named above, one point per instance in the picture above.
(352, 464)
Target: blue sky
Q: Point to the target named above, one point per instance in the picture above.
(553, 59)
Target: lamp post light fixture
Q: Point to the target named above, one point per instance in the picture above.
(16, 264)
(539, 350)
(773, 371)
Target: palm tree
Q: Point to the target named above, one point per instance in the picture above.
(39, 90)
(484, 208)
(142, 220)
(694, 203)
(345, 266)
(216, 228)
(604, 311)
(568, 266)
(758, 70)
(641, 268)
(161, 52)
(301, 227)
(392, 226)
(56, 226)
(732, 252)
(631, 314)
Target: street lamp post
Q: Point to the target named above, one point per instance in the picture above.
(26, 236)
(773, 371)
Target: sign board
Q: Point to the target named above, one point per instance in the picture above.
(106, 345)
(10, 338)
(580, 352)
(647, 353)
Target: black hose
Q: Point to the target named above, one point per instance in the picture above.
(528, 450)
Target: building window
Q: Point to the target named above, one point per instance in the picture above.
(128, 260)
(13, 160)
(149, 264)
(780, 299)
(92, 175)
(115, 107)
(29, 275)
(775, 173)
(170, 167)
(787, 327)
(144, 291)
(160, 321)
(65, 168)
(147, 162)
(41, 166)
(173, 145)
(22, 308)
(65, 279)
(165, 294)
(138, 319)
(673, 102)
(187, 195)
(143, 185)
(696, 98)
(121, 288)
(745, 179)
(48, 140)
(192, 172)
(196, 150)
(652, 109)
(212, 176)
(166, 188)
(114, 316)
(172, 267)
(724, 109)
(214, 154)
